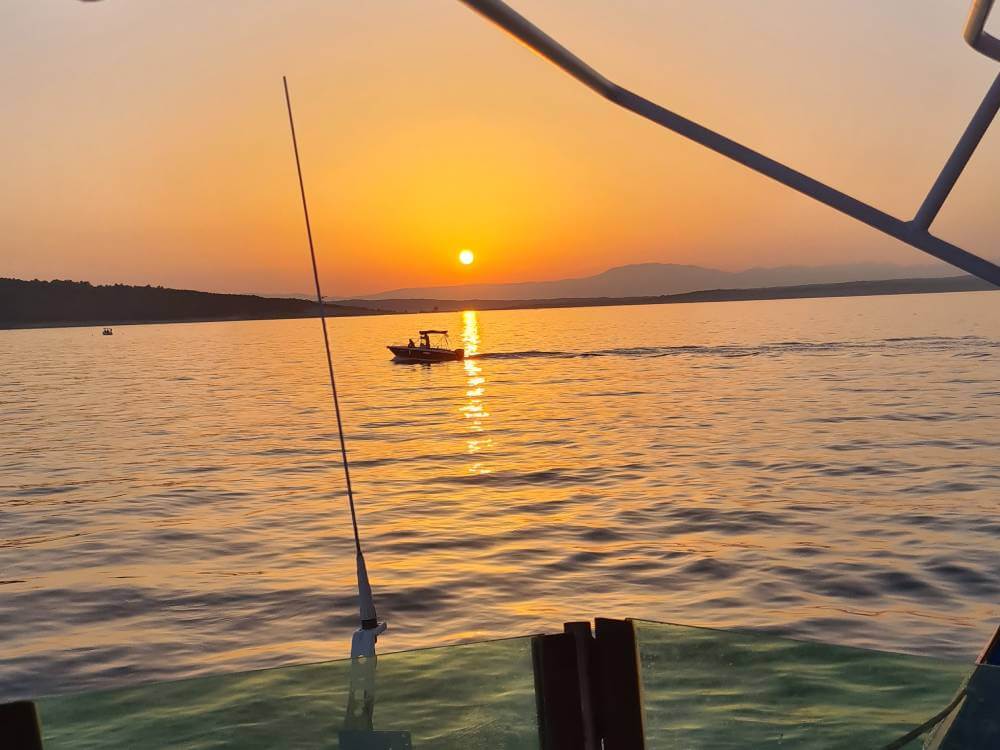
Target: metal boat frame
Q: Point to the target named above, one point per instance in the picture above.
(914, 231)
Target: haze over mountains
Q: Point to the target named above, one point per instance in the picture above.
(652, 279)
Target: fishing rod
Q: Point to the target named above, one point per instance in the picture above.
(364, 638)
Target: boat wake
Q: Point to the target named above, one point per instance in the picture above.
(960, 346)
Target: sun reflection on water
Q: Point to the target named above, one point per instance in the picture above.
(474, 408)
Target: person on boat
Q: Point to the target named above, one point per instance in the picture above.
(411, 344)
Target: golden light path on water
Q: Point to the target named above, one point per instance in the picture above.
(474, 407)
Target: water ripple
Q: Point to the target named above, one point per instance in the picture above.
(172, 499)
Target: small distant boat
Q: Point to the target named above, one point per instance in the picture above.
(437, 350)
(107, 332)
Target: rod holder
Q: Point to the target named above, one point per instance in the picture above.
(587, 687)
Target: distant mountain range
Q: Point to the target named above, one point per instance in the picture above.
(656, 279)
(25, 304)
(798, 291)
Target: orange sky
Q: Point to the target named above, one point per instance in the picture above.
(147, 142)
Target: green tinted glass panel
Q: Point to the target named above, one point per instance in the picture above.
(714, 689)
(475, 696)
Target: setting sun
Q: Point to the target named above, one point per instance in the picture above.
(466, 257)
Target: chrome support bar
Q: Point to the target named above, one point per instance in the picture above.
(952, 169)
(910, 232)
(974, 34)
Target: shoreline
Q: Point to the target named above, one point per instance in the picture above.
(363, 308)
(152, 322)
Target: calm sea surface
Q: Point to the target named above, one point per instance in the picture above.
(172, 501)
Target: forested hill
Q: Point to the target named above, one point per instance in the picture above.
(41, 303)
(25, 304)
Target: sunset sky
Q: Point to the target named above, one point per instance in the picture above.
(147, 142)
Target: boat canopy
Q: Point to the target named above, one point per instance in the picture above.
(424, 333)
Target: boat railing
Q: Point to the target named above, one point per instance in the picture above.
(914, 231)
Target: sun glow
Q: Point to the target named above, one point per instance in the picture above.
(466, 257)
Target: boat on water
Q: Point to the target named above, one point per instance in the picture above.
(107, 332)
(437, 349)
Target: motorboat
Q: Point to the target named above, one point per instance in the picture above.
(107, 332)
(437, 349)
